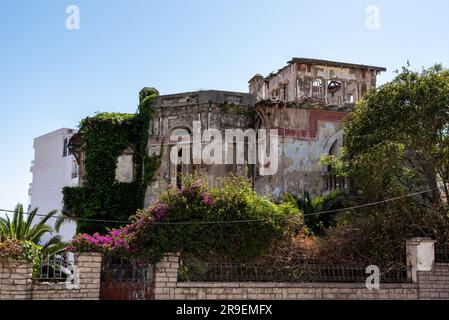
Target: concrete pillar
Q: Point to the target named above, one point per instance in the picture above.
(420, 256)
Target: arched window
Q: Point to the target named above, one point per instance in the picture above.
(333, 151)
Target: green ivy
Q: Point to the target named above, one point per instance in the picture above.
(105, 137)
(149, 164)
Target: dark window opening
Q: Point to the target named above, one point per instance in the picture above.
(179, 170)
(65, 147)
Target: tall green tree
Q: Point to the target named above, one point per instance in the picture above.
(24, 227)
(397, 139)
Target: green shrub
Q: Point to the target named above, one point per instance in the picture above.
(228, 220)
(21, 250)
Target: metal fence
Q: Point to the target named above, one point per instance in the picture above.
(197, 271)
(442, 253)
(55, 268)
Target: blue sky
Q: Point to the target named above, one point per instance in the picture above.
(51, 77)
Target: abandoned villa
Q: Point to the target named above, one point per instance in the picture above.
(305, 102)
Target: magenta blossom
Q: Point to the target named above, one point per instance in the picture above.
(159, 211)
(207, 200)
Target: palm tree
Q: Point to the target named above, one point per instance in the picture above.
(23, 228)
(316, 215)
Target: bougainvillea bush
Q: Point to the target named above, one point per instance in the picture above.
(21, 250)
(228, 219)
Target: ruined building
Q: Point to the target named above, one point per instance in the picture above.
(305, 102)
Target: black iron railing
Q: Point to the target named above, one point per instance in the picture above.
(442, 253)
(55, 268)
(196, 271)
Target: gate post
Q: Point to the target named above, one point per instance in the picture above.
(89, 270)
(166, 277)
(420, 256)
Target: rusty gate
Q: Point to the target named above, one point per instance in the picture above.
(125, 280)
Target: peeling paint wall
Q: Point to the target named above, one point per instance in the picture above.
(305, 102)
(214, 109)
(304, 135)
(337, 86)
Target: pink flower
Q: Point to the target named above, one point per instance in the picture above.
(159, 211)
(115, 233)
(207, 200)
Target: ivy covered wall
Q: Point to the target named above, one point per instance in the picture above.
(105, 137)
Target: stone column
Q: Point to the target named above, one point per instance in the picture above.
(166, 277)
(420, 256)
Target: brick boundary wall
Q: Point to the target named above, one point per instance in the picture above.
(429, 280)
(16, 281)
(434, 284)
(168, 287)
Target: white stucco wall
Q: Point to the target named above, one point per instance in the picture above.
(51, 173)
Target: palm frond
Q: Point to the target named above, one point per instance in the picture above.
(38, 231)
(30, 219)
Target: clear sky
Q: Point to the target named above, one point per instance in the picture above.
(51, 77)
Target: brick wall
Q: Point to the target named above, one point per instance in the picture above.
(16, 281)
(166, 277)
(291, 291)
(434, 284)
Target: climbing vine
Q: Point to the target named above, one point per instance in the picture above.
(149, 164)
(105, 137)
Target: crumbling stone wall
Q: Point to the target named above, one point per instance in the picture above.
(335, 83)
(213, 109)
(304, 135)
(306, 102)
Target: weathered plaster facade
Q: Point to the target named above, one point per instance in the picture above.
(306, 102)
(328, 82)
(176, 113)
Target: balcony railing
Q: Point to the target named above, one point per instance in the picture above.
(332, 182)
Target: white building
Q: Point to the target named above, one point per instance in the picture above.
(53, 169)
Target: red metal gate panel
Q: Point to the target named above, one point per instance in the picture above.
(126, 281)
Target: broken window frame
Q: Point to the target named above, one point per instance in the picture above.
(317, 88)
